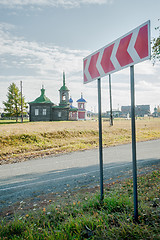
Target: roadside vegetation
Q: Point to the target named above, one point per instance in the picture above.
(83, 216)
(32, 139)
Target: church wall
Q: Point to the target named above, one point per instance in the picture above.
(40, 112)
(60, 114)
(81, 115)
(73, 115)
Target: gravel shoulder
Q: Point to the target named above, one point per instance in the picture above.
(38, 202)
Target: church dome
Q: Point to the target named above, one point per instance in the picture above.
(81, 100)
(42, 98)
(70, 100)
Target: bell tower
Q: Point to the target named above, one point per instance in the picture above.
(64, 94)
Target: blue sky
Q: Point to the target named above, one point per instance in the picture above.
(39, 39)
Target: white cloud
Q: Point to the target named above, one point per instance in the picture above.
(146, 68)
(51, 3)
(144, 86)
(42, 58)
(37, 63)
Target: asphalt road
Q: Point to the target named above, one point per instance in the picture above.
(72, 171)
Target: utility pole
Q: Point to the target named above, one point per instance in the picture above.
(111, 113)
(21, 103)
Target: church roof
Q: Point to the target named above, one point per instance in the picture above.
(70, 100)
(73, 109)
(81, 100)
(42, 98)
(61, 107)
(63, 88)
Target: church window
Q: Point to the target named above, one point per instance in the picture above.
(36, 112)
(63, 97)
(44, 111)
(59, 114)
(81, 105)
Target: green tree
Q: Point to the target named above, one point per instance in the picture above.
(156, 46)
(13, 104)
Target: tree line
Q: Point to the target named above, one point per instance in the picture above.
(15, 106)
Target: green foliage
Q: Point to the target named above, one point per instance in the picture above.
(156, 47)
(15, 228)
(12, 106)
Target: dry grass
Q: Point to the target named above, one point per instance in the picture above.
(22, 141)
(45, 127)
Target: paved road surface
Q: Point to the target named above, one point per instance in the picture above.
(70, 171)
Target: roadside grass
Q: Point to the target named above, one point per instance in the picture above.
(23, 141)
(83, 216)
(25, 120)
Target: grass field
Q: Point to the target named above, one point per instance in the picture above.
(31, 139)
(83, 216)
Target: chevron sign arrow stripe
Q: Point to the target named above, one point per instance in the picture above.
(132, 48)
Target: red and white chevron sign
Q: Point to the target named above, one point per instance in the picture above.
(132, 48)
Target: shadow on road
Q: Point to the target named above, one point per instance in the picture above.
(17, 188)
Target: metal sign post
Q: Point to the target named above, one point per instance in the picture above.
(134, 144)
(100, 139)
(126, 51)
(111, 113)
